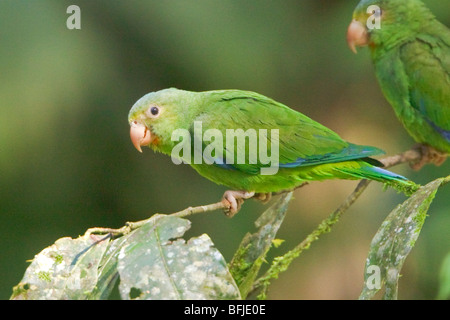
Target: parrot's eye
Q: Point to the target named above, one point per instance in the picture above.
(153, 112)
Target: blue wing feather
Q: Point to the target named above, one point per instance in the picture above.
(352, 152)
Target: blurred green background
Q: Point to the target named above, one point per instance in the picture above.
(67, 162)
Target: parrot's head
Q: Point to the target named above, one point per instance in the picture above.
(156, 115)
(386, 23)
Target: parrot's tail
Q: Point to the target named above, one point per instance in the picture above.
(389, 178)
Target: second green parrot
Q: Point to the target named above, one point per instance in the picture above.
(279, 148)
(410, 50)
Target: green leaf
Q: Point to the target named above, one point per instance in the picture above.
(250, 255)
(107, 272)
(154, 263)
(394, 240)
(65, 270)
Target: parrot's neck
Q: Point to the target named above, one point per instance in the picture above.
(382, 43)
(410, 22)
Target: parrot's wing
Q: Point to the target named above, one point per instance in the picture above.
(301, 141)
(427, 67)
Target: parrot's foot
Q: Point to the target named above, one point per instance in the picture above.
(263, 197)
(233, 201)
(429, 155)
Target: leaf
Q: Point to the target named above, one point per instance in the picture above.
(151, 261)
(251, 253)
(394, 240)
(154, 264)
(107, 272)
(65, 270)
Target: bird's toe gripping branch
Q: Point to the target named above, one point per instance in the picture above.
(263, 197)
(233, 201)
(428, 155)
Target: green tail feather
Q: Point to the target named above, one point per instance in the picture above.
(389, 178)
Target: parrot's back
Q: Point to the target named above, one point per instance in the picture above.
(415, 78)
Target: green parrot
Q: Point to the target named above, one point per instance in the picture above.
(195, 128)
(410, 50)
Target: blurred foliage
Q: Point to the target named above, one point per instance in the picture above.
(67, 163)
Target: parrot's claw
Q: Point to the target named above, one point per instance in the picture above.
(263, 197)
(429, 155)
(233, 201)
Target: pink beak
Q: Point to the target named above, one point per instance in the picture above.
(140, 135)
(357, 35)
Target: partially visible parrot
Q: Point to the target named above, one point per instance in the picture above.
(307, 150)
(410, 50)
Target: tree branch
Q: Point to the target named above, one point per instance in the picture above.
(410, 156)
(130, 226)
